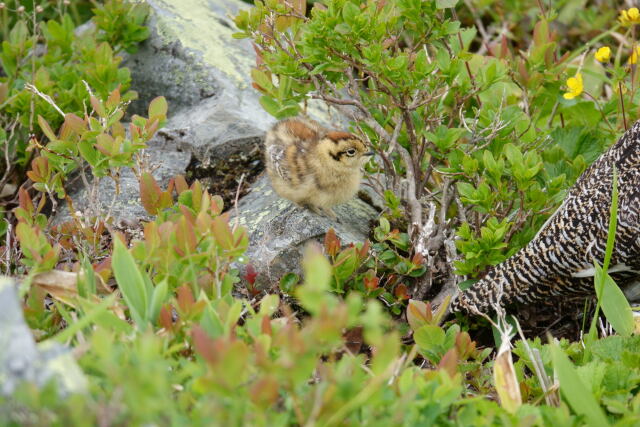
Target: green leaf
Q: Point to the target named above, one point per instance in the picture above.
(269, 304)
(575, 392)
(614, 304)
(288, 281)
(270, 105)
(443, 4)
(84, 321)
(429, 336)
(158, 297)
(130, 282)
(87, 280)
(350, 11)
(158, 107)
(44, 125)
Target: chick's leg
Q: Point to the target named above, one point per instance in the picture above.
(330, 213)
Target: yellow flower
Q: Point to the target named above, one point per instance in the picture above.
(603, 54)
(629, 17)
(634, 55)
(575, 86)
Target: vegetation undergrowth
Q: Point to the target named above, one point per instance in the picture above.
(482, 117)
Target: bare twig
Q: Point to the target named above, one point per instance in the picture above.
(31, 88)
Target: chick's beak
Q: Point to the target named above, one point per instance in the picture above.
(369, 153)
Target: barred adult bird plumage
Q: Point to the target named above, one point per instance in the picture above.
(559, 260)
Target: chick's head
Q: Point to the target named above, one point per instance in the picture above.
(343, 150)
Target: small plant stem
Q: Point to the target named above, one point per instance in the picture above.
(32, 107)
(542, 11)
(624, 117)
(5, 23)
(604, 117)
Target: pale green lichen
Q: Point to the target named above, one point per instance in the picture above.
(195, 25)
(67, 371)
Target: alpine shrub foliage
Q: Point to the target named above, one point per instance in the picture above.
(474, 137)
(478, 135)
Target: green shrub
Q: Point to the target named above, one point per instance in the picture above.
(51, 71)
(476, 148)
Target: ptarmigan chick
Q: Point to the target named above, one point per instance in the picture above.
(559, 260)
(313, 166)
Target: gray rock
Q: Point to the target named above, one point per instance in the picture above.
(216, 119)
(21, 360)
(279, 230)
(164, 161)
(192, 60)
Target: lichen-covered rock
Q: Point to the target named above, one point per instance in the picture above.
(21, 360)
(279, 230)
(214, 113)
(215, 132)
(163, 160)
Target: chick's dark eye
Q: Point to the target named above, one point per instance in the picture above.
(351, 152)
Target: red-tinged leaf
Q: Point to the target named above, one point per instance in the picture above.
(171, 186)
(250, 274)
(217, 205)
(150, 193)
(97, 106)
(371, 283)
(40, 169)
(364, 250)
(165, 319)
(4, 92)
(166, 200)
(419, 314)
(181, 184)
(185, 237)
(241, 235)
(204, 345)
(222, 232)
(449, 362)
(522, 70)
(258, 52)
(401, 292)
(464, 345)
(541, 33)
(46, 129)
(134, 131)
(564, 57)
(74, 123)
(198, 308)
(106, 145)
(114, 98)
(331, 243)
(24, 200)
(265, 326)
(117, 130)
(158, 107)
(257, 87)
(151, 127)
(188, 214)
(185, 298)
(418, 259)
(264, 392)
(504, 48)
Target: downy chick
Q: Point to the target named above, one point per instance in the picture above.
(313, 166)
